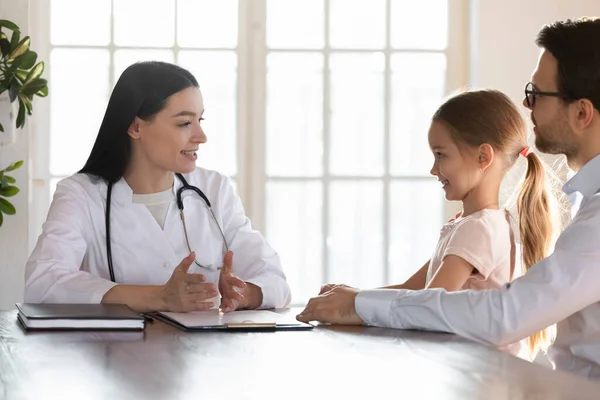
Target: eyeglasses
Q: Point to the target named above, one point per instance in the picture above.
(531, 93)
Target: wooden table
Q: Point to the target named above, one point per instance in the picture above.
(327, 362)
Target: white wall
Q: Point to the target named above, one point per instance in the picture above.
(14, 231)
(503, 49)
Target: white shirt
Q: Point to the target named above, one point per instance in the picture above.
(157, 203)
(69, 262)
(563, 287)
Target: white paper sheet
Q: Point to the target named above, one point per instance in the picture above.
(216, 318)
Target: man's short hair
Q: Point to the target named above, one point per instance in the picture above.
(576, 46)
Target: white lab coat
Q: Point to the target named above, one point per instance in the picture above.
(69, 262)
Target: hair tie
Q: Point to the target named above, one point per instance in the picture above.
(526, 151)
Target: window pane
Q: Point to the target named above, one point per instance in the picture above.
(77, 105)
(124, 58)
(419, 24)
(216, 72)
(357, 112)
(207, 23)
(418, 85)
(91, 25)
(294, 114)
(357, 24)
(148, 23)
(287, 25)
(294, 229)
(417, 215)
(355, 242)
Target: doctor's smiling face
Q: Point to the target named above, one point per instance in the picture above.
(170, 139)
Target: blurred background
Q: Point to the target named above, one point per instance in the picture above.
(317, 109)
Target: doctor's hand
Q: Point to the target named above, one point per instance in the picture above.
(187, 292)
(335, 307)
(235, 293)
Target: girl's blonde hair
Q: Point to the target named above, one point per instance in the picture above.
(488, 116)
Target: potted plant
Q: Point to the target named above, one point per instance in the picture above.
(20, 80)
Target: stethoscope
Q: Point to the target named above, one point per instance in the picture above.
(185, 186)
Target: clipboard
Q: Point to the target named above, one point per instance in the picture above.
(236, 321)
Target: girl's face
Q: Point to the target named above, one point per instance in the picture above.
(170, 140)
(458, 171)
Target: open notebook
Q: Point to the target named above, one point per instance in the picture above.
(236, 320)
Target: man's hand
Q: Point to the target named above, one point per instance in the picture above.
(335, 307)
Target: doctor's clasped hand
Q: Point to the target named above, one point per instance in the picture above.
(187, 292)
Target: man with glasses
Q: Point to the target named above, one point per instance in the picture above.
(564, 100)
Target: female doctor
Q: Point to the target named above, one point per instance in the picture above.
(141, 225)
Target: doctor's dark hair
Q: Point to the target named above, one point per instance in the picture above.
(141, 91)
(478, 117)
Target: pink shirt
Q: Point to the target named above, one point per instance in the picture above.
(483, 239)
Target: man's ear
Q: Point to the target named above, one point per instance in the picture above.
(134, 129)
(584, 113)
(486, 156)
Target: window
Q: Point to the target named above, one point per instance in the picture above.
(318, 109)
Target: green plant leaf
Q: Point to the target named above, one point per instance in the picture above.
(10, 179)
(34, 86)
(10, 25)
(26, 60)
(21, 114)
(3, 183)
(4, 44)
(14, 40)
(27, 102)
(7, 208)
(12, 92)
(1, 128)
(22, 47)
(9, 191)
(14, 166)
(43, 92)
(22, 75)
(1, 218)
(16, 64)
(35, 73)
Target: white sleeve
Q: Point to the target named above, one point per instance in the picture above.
(550, 291)
(52, 273)
(254, 260)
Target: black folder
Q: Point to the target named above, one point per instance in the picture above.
(78, 317)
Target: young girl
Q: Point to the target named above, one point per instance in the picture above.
(476, 137)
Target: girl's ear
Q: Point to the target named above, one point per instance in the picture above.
(486, 156)
(134, 129)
